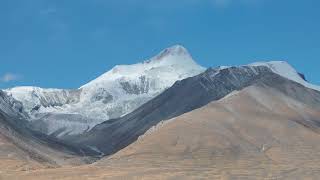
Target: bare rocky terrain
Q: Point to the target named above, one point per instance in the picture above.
(256, 133)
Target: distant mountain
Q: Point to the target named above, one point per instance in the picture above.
(112, 95)
(129, 99)
(187, 95)
(26, 146)
(286, 70)
(61, 112)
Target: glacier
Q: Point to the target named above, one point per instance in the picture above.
(114, 94)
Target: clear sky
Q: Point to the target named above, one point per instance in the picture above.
(66, 43)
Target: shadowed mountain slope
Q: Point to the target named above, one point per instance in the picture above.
(268, 130)
(259, 132)
(27, 146)
(186, 95)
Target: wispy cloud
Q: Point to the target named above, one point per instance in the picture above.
(8, 77)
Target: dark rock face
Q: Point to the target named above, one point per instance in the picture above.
(102, 95)
(137, 88)
(59, 98)
(11, 107)
(11, 112)
(182, 97)
(302, 76)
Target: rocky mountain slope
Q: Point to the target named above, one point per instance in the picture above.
(112, 95)
(26, 147)
(184, 96)
(267, 130)
(260, 132)
(123, 89)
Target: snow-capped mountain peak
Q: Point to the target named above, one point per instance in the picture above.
(176, 50)
(284, 69)
(142, 81)
(119, 91)
(173, 61)
(173, 55)
(113, 94)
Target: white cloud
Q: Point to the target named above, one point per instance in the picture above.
(9, 77)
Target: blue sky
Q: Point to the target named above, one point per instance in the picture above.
(66, 43)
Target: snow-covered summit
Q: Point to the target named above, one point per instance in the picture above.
(114, 94)
(281, 68)
(172, 61)
(125, 87)
(284, 69)
(176, 50)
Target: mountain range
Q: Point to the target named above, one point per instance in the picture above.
(166, 117)
(112, 95)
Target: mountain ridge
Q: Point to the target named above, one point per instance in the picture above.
(111, 95)
(198, 119)
(117, 92)
(184, 96)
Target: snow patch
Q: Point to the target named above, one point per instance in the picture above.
(286, 70)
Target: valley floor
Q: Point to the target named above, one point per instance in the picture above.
(240, 169)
